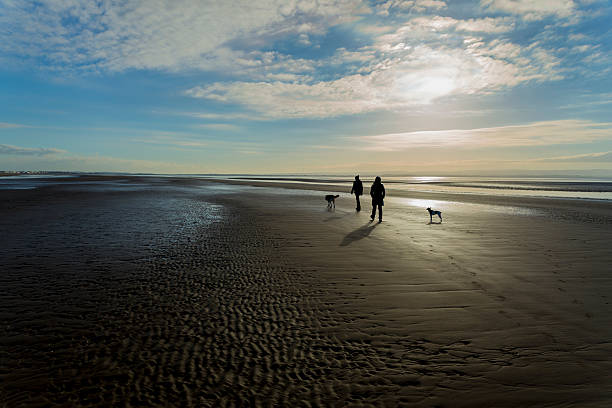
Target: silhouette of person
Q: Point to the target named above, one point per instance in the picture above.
(377, 192)
(357, 190)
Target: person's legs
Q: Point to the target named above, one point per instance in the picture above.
(373, 211)
(358, 203)
(379, 212)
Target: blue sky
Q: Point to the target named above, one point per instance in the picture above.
(408, 86)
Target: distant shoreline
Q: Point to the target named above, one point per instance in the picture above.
(594, 174)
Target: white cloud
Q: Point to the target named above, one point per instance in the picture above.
(327, 147)
(533, 134)
(287, 77)
(219, 126)
(4, 125)
(221, 116)
(304, 40)
(422, 26)
(383, 89)
(181, 142)
(404, 76)
(578, 37)
(169, 141)
(398, 6)
(430, 4)
(28, 151)
(281, 99)
(116, 35)
(590, 100)
(101, 163)
(584, 48)
(532, 9)
(425, 59)
(599, 157)
(383, 9)
(486, 25)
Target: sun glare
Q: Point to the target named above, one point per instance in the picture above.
(425, 89)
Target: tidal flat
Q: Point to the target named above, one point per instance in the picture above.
(171, 291)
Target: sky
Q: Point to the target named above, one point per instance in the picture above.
(416, 87)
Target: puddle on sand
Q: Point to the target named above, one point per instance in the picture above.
(457, 206)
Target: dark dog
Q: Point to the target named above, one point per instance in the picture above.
(433, 212)
(331, 200)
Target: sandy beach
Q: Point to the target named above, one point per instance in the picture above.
(144, 291)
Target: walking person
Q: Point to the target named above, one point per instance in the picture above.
(377, 192)
(357, 190)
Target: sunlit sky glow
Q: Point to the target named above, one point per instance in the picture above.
(424, 87)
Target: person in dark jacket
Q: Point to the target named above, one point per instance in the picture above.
(357, 190)
(377, 192)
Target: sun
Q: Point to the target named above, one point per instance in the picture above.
(424, 89)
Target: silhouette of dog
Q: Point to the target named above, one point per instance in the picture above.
(331, 200)
(433, 212)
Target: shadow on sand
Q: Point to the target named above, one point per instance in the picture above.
(358, 234)
(434, 222)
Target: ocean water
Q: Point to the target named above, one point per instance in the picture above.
(574, 188)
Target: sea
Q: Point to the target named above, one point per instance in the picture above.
(553, 187)
(574, 188)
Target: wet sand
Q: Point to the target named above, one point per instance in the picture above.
(178, 292)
